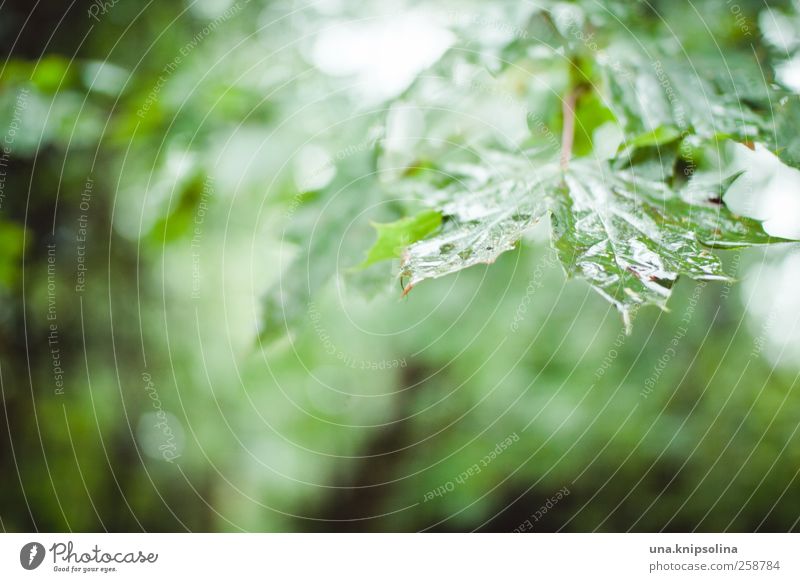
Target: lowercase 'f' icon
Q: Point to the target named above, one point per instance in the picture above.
(31, 555)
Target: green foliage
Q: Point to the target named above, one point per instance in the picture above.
(636, 195)
(631, 237)
(11, 241)
(394, 237)
(488, 206)
(661, 135)
(303, 388)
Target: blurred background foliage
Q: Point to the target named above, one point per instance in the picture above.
(225, 369)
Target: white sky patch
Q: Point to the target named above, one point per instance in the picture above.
(313, 168)
(789, 73)
(104, 77)
(210, 8)
(777, 321)
(405, 125)
(768, 191)
(779, 30)
(384, 55)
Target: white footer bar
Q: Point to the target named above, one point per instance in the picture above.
(400, 557)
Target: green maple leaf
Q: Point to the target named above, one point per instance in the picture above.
(629, 223)
(668, 98)
(631, 237)
(479, 148)
(627, 234)
(485, 214)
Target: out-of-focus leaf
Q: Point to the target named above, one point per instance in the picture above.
(318, 258)
(786, 141)
(180, 217)
(667, 93)
(11, 241)
(591, 113)
(661, 135)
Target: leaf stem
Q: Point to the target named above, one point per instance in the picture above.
(568, 128)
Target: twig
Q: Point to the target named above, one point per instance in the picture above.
(568, 129)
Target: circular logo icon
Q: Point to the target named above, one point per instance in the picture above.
(31, 555)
